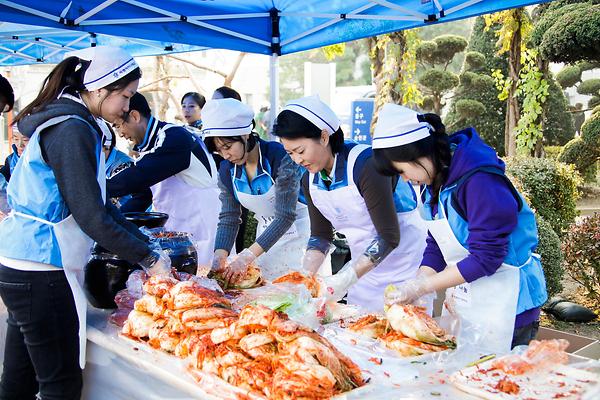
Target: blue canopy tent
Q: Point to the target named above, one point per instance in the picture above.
(26, 44)
(272, 27)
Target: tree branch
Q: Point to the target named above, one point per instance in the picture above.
(162, 79)
(200, 66)
(231, 75)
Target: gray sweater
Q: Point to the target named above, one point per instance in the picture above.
(69, 148)
(287, 185)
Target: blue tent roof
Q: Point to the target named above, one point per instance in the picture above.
(257, 26)
(25, 44)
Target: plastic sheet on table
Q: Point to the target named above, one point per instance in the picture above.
(294, 300)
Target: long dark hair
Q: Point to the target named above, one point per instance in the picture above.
(435, 146)
(250, 143)
(291, 125)
(67, 77)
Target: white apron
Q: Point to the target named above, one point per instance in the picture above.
(287, 253)
(191, 209)
(75, 250)
(486, 307)
(345, 208)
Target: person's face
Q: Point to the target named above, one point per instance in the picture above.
(112, 105)
(420, 171)
(191, 110)
(312, 154)
(234, 152)
(20, 141)
(131, 126)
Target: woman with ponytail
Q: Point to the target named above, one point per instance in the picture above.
(343, 191)
(258, 176)
(57, 194)
(482, 234)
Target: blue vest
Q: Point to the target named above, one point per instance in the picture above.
(522, 242)
(261, 183)
(33, 190)
(13, 159)
(405, 198)
(115, 159)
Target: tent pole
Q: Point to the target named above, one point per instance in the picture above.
(274, 94)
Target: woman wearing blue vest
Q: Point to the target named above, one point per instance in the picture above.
(191, 106)
(377, 214)
(482, 234)
(260, 177)
(57, 194)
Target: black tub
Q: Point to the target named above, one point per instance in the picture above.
(106, 273)
(148, 219)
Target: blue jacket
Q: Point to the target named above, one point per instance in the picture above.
(163, 158)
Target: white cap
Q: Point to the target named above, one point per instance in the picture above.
(108, 65)
(226, 117)
(397, 126)
(317, 112)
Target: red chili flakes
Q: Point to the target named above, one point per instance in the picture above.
(376, 360)
(561, 384)
(386, 374)
(560, 395)
(505, 385)
(353, 342)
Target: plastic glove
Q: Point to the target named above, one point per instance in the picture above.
(407, 291)
(219, 262)
(236, 269)
(336, 286)
(312, 261)
(156, 263)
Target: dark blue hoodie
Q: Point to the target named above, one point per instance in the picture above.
(488, 203)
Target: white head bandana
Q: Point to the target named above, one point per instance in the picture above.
(397, 126)
(226, 117)
(317, 112)
(108, 64)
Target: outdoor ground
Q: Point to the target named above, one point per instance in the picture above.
(573, 293)
(587, 205)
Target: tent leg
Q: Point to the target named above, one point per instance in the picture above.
(274, 94)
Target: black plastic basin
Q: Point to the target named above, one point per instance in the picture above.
(148, 219)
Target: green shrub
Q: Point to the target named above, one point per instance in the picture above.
(581, 248)
(552, 152)
(590, 87)
(583, 151)
(551, 255)
(568, 76)
(474, 60)
(469, 108)
(550, 187)
(250, 232)
(577, 153)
